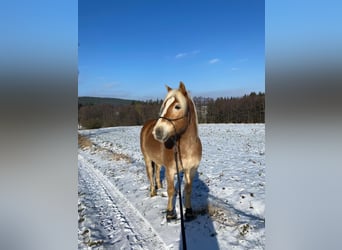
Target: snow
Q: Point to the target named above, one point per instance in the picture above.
(116, 212)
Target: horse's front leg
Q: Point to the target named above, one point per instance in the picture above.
(170, 212)
(189, 176)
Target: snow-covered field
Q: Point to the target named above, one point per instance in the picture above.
(116, 212)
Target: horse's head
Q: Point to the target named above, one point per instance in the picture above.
(174, 114)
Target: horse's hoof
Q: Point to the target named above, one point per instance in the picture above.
(154, 193)
(189, 214)
(171, 215)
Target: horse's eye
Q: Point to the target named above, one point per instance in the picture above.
(177, 107)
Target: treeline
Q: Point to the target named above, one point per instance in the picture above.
(107, 115)
(247, 109)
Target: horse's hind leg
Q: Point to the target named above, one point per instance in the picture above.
(149, 171)
(189, 176)
(157, 176)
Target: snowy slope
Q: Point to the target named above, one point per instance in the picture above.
(115, 211)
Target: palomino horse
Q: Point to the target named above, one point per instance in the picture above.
(175, 127)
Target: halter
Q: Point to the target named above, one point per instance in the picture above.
(171, 120)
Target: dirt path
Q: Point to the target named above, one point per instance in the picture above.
(106, 217)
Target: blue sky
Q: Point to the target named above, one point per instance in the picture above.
(130, 49)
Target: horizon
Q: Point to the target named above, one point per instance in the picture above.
(156, 98)
(131, 49)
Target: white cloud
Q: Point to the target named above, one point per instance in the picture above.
(180, 55)
(186, 54)
(215, 60)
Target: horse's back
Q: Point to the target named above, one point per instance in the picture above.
(146, 138)
(146, 129)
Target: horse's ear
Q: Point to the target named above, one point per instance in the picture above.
(168, 88)
(182, 88)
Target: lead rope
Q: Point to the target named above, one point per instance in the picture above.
(180, 195)
(176, 149)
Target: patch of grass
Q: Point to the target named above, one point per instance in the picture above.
(84, 142)
(244, 229)
(120, 156)
(220, 215)
(95, 243)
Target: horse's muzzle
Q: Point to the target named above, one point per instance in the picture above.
(159, 134)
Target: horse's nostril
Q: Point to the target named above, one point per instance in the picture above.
(158, 133)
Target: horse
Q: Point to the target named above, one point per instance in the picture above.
(176, 128)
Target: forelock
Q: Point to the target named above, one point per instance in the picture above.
(181, 98)
(167, 103)
(173, 95)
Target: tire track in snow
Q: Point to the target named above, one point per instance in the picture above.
(111, 218)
